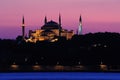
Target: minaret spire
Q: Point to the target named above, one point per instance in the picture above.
(23, 27)
(60, 25)
(45, 21)
(80, 19)
(80, 26)
(59, 19)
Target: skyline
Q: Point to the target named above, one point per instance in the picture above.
(97, 15)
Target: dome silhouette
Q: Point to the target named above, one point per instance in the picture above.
(51, 25)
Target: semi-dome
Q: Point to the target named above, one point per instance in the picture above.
(51, 25)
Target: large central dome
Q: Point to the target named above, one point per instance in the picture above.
(51, 25)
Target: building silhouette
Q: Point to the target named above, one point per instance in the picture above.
(50, 31)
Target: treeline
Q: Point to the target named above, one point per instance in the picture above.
(88, 49)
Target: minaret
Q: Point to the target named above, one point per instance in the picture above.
(23, 28)
(59, 24)
(45, 21)
(80, 26)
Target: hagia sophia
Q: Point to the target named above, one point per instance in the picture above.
(50, 31)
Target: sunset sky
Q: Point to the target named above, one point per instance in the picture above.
(97, 15)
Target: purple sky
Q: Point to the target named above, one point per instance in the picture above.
(97, 15)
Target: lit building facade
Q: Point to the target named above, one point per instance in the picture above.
(50, 31)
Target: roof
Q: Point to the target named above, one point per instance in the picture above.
(51, 25)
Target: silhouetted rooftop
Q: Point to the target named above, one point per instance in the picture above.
(51, 25)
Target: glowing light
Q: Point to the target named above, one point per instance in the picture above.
(101, 63)
(54, 40)
(105, 46)
(36, 67)
(59, 67)
(26, 59)
(41, 39)
(14, 66)
(57, 63)
(79, 63)
(79, 67)
(103, 66)
(23, 25)
(36, 62)
(95, 45)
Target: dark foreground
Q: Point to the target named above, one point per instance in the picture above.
(90, 52)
